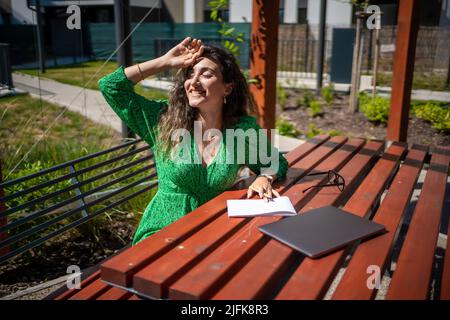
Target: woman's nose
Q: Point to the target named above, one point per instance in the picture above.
(195, 80)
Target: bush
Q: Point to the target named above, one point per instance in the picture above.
(306, 99)
(281, 96)
(315, 109)
(287, 129)
(328, 93)
(439, 117)
(313, 131)
(333, 133)
(375, 109)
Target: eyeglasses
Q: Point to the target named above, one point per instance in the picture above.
(334, 178)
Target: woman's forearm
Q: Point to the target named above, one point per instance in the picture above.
(147, 68)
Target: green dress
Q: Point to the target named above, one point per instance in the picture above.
(182, 186)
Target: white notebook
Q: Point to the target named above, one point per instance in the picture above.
(281, 206)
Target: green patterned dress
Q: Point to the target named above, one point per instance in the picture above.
(182, 186)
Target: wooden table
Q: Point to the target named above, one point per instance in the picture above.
(206, 255)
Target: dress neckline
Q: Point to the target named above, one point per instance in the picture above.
(216, 156)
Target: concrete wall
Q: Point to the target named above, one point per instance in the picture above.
(241, 10)
(176, 9)
(20, 12)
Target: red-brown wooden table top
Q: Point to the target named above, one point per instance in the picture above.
(206, 255)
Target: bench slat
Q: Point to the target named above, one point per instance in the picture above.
(115, 293)
(201, 281)
(445, 283)
(275, 258)
(119, 270)
(91, 291)
(412, 275)
(376, 252)
(312, 278)
(70, 292)
(154, 279)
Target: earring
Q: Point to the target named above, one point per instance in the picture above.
(225, 100)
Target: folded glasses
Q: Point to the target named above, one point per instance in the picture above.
(334, 179)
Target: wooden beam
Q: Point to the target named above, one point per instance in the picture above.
(263, 59)
(405, 50)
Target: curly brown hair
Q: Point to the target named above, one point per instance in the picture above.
(180, 115)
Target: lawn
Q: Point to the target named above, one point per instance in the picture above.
(80, 73)
(23, 121)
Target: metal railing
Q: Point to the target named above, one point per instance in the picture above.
(73, 194)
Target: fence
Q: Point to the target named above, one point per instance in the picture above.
(42, 205)
(297, 45)
(432, 49)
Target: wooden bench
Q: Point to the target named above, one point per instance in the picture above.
(206, 255)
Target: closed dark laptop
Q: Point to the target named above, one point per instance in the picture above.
(320, 231)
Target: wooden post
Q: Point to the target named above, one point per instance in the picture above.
(405, 50)
(263, 59)
(354, 89)
(375, 62)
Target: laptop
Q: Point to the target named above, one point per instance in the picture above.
(320, 231)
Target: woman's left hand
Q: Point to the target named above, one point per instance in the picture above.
(263, 188)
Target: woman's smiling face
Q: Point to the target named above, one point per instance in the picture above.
(204, 85)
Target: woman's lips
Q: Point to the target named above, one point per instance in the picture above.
(197, 93)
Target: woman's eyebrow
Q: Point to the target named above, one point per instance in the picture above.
(205, 68)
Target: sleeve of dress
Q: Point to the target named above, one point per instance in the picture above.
(269, 159)
(139, 113)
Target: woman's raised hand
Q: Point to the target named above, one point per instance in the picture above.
(184, 53)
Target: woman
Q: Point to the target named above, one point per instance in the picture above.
(209, 91)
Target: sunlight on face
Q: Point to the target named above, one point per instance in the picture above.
(204, 85)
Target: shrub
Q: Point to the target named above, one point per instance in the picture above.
(375, 109)
(328, 93)
(333, 133)
(307, 98)
(315, 109)
(439, 117)
(313, 131)
(281, 96)
(287, 129)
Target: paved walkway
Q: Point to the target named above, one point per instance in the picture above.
(89, 103)
(92, 105)
(422, 95)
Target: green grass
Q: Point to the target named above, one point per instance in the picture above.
(80, 73)
(23, 121)
(76, 74)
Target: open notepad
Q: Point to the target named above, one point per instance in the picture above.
(281, 206)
